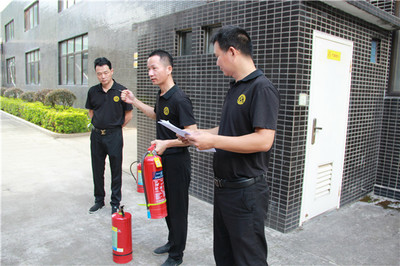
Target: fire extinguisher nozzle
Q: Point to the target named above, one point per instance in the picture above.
(121, 210)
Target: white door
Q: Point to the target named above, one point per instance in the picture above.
(327, 124)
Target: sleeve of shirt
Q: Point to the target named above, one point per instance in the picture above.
(88, 104)
(127, 106)
(185, 110)
(265, 107)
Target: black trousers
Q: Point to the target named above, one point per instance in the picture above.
(110, 144)
(239, 215)
(177, 170)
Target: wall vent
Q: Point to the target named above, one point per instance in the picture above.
(324, 180)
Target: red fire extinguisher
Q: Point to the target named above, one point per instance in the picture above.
(139, 178)
(121, 236)
(153, 183)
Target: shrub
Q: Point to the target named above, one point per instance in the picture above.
(59, 119)
(13, 93)
(40, 96)
(3, 90)
(66, 121)
(11, 106)
(61, 97)
(28, 96)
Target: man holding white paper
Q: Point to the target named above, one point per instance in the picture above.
(172, 105)
(243, 142)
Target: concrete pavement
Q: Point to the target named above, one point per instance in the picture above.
(46, 191)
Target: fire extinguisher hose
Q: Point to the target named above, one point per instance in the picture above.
(130, 169)
(144, 185)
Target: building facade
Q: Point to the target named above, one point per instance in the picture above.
(338, 135)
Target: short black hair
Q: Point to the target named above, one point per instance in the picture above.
(164, 55)
(101, 61)
(233, 36)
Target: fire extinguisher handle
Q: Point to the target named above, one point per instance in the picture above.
(152, 147)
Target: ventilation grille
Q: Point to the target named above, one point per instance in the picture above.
(324, 180)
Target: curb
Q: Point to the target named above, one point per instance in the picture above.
(46, 131)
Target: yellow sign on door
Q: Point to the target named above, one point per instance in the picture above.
(333, 55)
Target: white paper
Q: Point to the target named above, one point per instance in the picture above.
(170, 126)
(180, 132)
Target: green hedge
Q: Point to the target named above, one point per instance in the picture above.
(58, 119)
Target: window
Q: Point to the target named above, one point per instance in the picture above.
(209, 31)
(32, 67)
(73, 61)
(64, 4)
(9, 31)
(11, 70)
(375, 49)
(32, 16)
(185, 42)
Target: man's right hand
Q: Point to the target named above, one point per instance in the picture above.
(127, 96)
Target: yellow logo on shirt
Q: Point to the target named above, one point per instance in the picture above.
(166, 110)
(116, 99)
(241, 99)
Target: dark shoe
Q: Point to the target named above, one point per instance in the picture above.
(171, 262)
(162, 250)
(97, 206)
(114, 209)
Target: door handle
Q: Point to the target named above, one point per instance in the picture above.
(314, 130)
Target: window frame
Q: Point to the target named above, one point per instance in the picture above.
(68, 70)
(65, 4)
(394, 70)
(11, 79)
(375, 51)
(32, 67)
(208, 31)
(9, 30)
(182, 42)
(31, 16)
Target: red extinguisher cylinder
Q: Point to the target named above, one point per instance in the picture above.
(122, 237)
(154, 185)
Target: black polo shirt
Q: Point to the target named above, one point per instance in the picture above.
(250, 103)
(176, 107)
(108, 108)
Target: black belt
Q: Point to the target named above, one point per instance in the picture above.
(240, 183)
(106, 131)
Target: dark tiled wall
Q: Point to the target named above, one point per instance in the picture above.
(388, 175)
(282, 36)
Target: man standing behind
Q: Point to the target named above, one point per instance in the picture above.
(171, 104)
(242, 141)
(109, 114)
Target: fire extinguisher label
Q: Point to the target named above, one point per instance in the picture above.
(157, 161)
(115, 240)
(158, 181)
(158, 175)
(140, 179)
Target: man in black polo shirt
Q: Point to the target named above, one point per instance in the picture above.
(109, 114)
(173, 105)
(243, 144)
